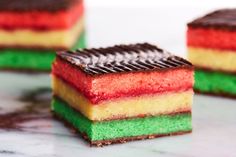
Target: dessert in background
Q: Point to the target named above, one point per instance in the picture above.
(123, 93)
(211, 42)
(31, 31)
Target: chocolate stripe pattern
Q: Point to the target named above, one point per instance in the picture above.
(123, 58)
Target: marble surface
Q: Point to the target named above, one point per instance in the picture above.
(27, 128)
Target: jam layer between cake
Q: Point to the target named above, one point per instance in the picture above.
(139, 106)
(111, 130)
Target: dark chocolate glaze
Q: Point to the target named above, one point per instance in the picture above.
(123, 58)
(219, 19)
(38, 5)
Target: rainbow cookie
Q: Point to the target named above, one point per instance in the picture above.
(30, 32)
(211, 42)
(122, 93)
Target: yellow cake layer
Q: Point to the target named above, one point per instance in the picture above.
(223, 60)
(47, 39)
(126, 107)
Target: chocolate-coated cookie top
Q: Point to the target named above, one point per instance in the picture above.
(123, 58)
(219, 19)
(37, 5)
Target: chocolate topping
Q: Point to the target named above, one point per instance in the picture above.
(123, 58)
(220, 19)
(39, 5)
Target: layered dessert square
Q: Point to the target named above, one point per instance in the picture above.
(122, 93)
(211, 42)
(31, 31)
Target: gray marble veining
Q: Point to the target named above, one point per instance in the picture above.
(27, 128)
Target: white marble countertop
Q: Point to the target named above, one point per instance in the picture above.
(27, 128)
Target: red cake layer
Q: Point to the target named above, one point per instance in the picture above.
(41, 20)
(116, 85)
(211, 38)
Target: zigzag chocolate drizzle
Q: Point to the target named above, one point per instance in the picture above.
(123, 58)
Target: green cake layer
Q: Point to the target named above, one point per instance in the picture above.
(31, 59)
(215, 82)
(108, 130)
